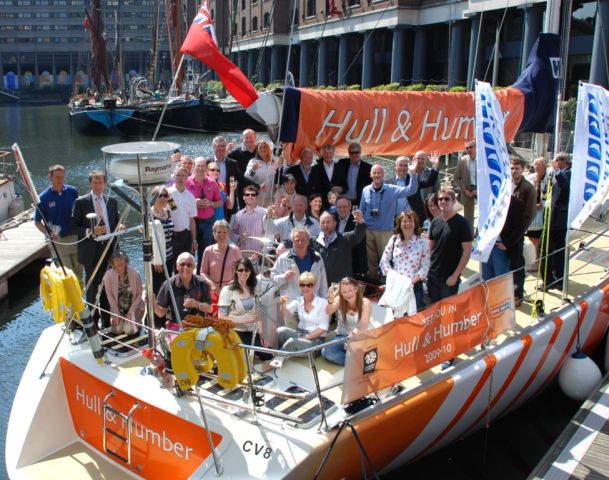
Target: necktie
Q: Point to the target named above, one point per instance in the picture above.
(99, 211)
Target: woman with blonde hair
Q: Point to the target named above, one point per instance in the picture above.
(313, 317)
(261, 171)
(353, 313)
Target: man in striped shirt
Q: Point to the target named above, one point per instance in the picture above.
(248, 222)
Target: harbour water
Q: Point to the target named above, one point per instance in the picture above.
(508, 449)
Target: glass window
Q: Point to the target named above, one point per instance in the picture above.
(311, 11)
(254, 24)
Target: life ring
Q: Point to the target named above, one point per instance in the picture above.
(60, 292)
(193, 351)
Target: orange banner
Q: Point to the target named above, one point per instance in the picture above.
(380, 358)
(162, 445)
(396, 123)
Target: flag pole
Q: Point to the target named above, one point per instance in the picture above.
(173, 82)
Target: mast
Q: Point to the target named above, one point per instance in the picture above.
(154, 48)
(99, 54)
(174, 39)
(118, 54)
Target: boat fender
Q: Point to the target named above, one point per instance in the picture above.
(194, 350)
(88, 324)
(579, 376)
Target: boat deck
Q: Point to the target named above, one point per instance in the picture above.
(582, 450)
(75, 461)
(19, 247)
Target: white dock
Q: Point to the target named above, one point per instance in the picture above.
(582, 450)
(19, 247)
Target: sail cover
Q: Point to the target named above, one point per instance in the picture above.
(400, 122)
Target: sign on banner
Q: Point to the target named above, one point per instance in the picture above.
(493, 170)
(382, 357)
(590, 169)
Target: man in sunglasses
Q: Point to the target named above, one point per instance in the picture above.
(248, 222)
(358, 172)
(191, 292)
(450, 241)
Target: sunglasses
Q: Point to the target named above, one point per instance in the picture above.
(306, 285)
(241, 270)
(444, 199)
(250, 194)
(163, 195)
(213, 169)
(186, 264)
(355, 153)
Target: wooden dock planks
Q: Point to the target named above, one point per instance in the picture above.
(582, 450)
(19, 247)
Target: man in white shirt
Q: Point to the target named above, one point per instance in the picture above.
(183, 213)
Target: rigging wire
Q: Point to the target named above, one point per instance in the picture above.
(263, 46)
(367, 38)
(495, 51)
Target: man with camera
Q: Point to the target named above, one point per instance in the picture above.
(378, 206)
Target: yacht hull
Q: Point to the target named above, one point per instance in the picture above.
(394, 431)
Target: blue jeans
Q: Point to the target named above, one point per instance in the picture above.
(204, 238)
(335, 353)
(498, 263)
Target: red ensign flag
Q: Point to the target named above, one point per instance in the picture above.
(201, 44)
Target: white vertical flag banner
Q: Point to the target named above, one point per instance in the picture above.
(493, 167)
(590, 169)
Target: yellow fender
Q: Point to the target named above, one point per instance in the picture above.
(60, 292)
(194, 350)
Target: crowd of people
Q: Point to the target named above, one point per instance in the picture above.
(329, 220)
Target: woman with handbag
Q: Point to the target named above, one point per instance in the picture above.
(407, 252)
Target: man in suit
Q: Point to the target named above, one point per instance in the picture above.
(428, 176)
(465, 181)
(243, 154)
(357, 172)
(335, 248)
(558, 221)
(228, 168)
(327, 174)
(91, 251)
(345, 222)
(302, 172)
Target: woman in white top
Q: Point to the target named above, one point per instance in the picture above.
(261, 171)
(407, 252)
(353, 312)
(313, 317)
(238, 303)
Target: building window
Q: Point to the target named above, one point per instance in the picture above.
(243, 26)
(311, 4)
(254, 24)
(267, 20)
(242, 4)
(353, 3)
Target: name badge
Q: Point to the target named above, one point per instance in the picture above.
(51, 204)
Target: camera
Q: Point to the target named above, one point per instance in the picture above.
(374, 212)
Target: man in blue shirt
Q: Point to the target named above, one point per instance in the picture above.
(378, 205)
(56, 208)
